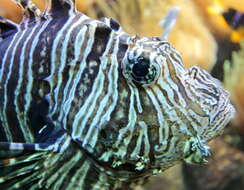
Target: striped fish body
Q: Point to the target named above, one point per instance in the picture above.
(84, 105)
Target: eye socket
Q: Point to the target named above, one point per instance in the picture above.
(141, 71)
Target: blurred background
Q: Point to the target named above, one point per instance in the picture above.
(207, 33)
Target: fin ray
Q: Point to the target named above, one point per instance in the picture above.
(26, 146)
(31, 11)
(17, 170)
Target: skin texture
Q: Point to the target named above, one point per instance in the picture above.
(86, 106)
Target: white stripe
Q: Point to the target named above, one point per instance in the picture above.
(3, 115)
(78, 45)
(16, 146)
(122, 142)
(99, 119)
(58, 177)
(168, 84)
(163, 126)
(171, 113)
(143, 132)
(77, 181)
(132, 118)
(138, 101)
(7, 80)
(171, 110)
(68, 98)
(54, 62)
(90, 103)
(23, 125)
(28, 96)
(63, 61)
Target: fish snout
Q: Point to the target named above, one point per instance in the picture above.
(214, 101)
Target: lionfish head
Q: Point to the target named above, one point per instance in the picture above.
(177, 110)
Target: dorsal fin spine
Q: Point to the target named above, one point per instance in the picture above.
(31, 11)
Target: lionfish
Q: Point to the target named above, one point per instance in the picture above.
(86, 106)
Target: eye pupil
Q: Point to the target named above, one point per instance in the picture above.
(140, 69)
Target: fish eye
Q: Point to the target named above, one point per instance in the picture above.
(141, 71)
(141, 67)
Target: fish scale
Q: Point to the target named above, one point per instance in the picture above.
(84, 105)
